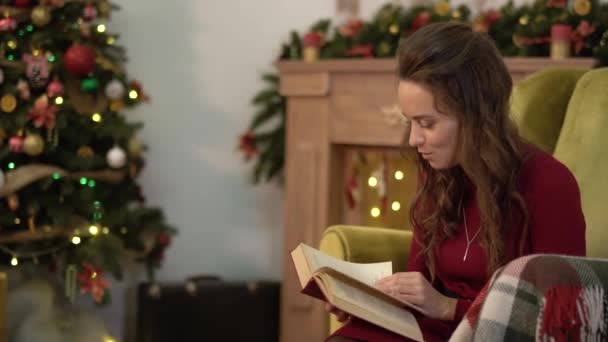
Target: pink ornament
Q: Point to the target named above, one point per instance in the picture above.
(55, 88)
(85, 29)
(37, 69)
(89, 13)
(8, 24)
(16, 144)
(42, 114)
(24, 89)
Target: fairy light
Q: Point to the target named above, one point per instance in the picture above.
(399, 175)
(11, 166)
(375, 212)
(14, 261)
(83, 181)
(110, 40)
(76, 240)
(396, 206)
(133, 94)
(372, 181)
(59, 100)
(93, 230)
(101, 28)
(96, 117)
(105, 230)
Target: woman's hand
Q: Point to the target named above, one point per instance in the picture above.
(413, 288)
(341, 316)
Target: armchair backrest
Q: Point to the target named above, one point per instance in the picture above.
(539, 104)
(565, 112)
(583, 147)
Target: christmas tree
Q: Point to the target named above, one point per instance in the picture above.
(69, 157)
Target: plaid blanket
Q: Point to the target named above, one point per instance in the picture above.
(541, 297)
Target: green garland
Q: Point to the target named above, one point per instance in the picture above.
(517, 31)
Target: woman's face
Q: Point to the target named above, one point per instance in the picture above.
(433, 134)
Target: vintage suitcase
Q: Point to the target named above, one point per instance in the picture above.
(208, 309)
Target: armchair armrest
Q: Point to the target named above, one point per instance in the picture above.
(366, 244)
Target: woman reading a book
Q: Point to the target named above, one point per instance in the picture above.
(485, 195)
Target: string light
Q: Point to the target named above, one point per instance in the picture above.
(110, 40)
(17, 220)
(76, 240)
(108, 339)
(396, 206)
(51, 58)
(372, 181)
(96, 117)
(375, 212)
(105, 230)
(133, 95)
(56, 175)
(11, 165)
(123, 230)
(93, 230)
(12, 44)
(399, 175)
(34, 255)
(59, 100)
(83, 181)
(92, 183)
(101, 28)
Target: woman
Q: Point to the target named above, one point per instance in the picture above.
(485, 196)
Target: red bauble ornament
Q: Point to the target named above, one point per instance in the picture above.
(23, 3)
(163, 240)
(422, 19)
(79, 60)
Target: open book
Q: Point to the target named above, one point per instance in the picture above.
(350, 287)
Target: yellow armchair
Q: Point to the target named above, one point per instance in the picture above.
(562, 111)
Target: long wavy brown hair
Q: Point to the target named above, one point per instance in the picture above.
(469, 80)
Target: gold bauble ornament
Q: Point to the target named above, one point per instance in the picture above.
(133, 170)
(442, 8)
(2, 136)
(41, 15)
(104, 8)
(116, 105)
(8, 103)
(33, 145)
(13, 202)
(582, 7)
(394, 29)
(524, 20)
(85, 152)
(135, 147)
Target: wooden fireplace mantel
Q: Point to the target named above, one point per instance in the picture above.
(333, 104)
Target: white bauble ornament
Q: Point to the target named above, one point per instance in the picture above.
(116, 157)
(115, 90)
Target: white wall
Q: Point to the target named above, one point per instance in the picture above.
(201, 61)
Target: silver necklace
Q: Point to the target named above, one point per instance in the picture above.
(466, 232)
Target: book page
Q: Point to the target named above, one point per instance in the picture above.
(366, 273)
(373, 309)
